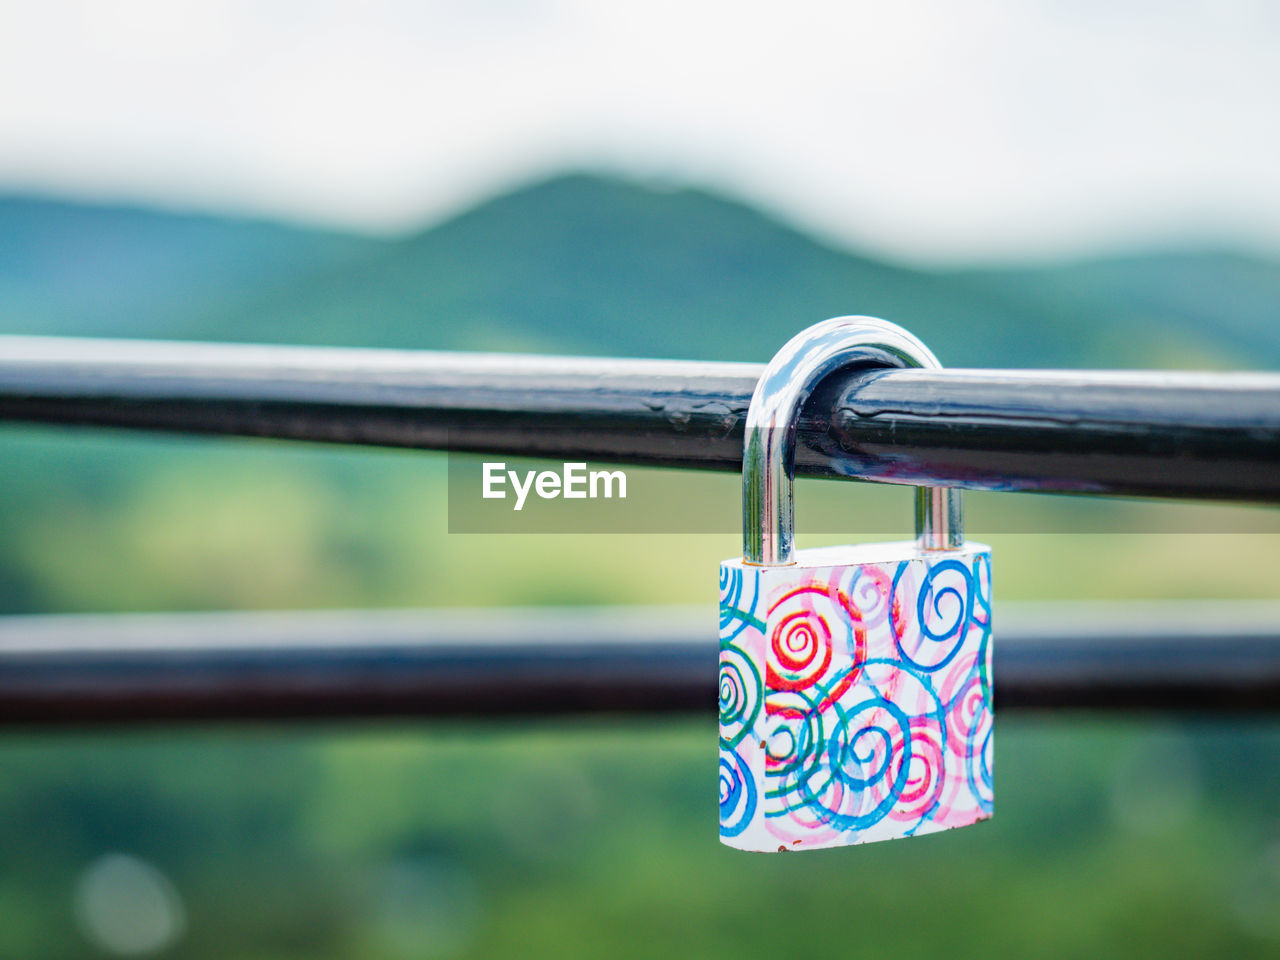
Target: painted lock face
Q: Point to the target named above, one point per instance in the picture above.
(855, 682)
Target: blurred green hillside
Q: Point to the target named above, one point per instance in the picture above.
(592, 265)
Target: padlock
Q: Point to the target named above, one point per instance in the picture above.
(855, 682)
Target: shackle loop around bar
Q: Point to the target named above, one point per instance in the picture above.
(768, 458)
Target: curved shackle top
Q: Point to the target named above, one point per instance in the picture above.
(768, 460)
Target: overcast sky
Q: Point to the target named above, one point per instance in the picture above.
(932, 130)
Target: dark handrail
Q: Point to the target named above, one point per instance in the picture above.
(1187, 435)
(339, 664)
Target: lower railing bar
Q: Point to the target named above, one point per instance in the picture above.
(1187, 435)
(66, 670)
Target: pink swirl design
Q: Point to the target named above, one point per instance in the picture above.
(966, 703)
(926, 773)
(872, 593)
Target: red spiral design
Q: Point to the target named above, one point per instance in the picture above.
(801, 647)
(800, 643)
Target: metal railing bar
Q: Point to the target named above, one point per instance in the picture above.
(1133, 433)
(66, 670)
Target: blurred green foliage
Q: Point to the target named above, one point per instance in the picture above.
(1134, 839)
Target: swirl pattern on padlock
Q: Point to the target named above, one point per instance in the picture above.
(741, 695)
(874, 716)
(737, 794)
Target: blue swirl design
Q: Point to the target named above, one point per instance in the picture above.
(929, 599)
(938, 713)
(737, 794)
(795, 740)
(857, 759)
(739, 597)
(849, 756)
(979, 748)
(981, 778)
(741, 695)
(977, 742)
(982, 615)
(858, 753)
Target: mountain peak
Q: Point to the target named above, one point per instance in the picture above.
(597, 264)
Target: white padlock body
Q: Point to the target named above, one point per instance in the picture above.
(855, 696)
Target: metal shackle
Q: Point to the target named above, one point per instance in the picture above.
(768, 455)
